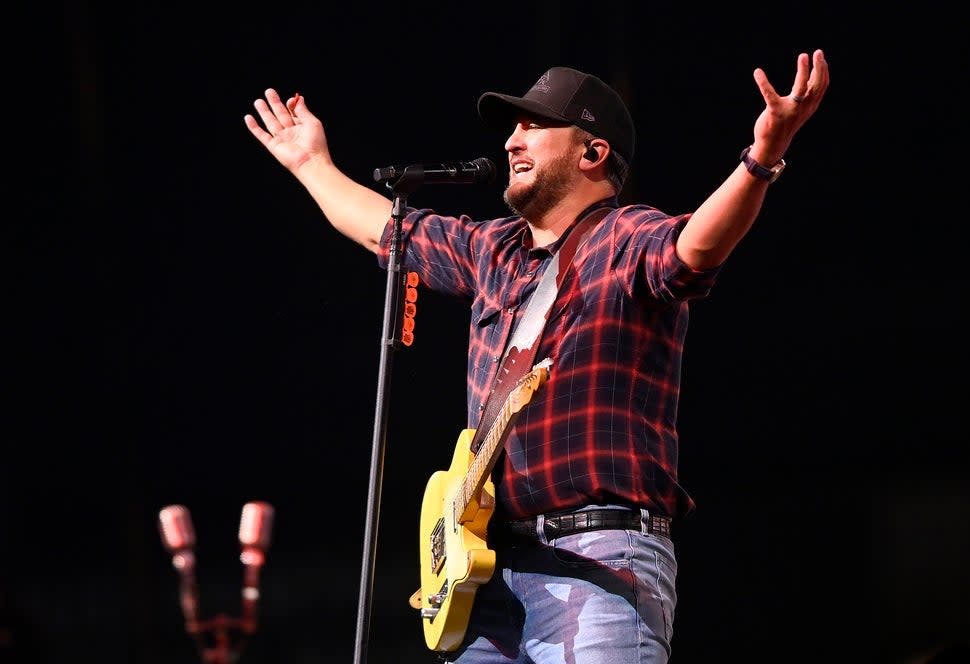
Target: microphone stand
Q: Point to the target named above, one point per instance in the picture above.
(409, 181)
(222, 638)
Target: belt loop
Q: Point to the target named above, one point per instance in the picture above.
(541, 528)
(644, 521)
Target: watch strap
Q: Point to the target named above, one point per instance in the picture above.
(770, 174)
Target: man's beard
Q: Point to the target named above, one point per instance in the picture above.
(550, 185)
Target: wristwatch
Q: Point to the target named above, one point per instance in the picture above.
(769, 174)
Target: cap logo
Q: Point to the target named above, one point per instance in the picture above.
(587, 116)
(542, 85)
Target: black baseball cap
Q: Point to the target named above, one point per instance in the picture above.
(568, 95)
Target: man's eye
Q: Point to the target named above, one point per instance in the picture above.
(533, 125)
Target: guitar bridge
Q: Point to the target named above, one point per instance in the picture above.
(438, 546)
(435, 601)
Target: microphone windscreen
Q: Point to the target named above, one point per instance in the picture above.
(175, 525)
(256, 525)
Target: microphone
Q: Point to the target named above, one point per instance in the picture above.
(255, 528)
(476, 171)
(178, 536)
(175, 524)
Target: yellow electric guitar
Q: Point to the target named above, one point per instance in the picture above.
(457, 505)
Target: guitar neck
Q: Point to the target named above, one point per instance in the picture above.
(481, 467)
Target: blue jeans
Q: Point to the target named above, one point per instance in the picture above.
(603, 596)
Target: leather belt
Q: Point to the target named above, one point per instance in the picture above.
(559, 525)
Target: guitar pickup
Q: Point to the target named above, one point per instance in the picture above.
(438, 546)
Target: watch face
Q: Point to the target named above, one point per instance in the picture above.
(776, 170)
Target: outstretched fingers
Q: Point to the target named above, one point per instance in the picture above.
(819, 81)
(799, 87)
(291, 105)
(272, 111)
(257, 129)
(810, 83)
(281, 113)
(767, 90)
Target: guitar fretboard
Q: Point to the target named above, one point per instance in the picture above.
(487, 455)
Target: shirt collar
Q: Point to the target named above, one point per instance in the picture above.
(525, 237)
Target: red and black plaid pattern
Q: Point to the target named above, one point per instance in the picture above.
(603, 428)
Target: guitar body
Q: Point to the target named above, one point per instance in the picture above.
(455, 558)
(457, 506)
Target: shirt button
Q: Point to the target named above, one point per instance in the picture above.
(495, 359)
(510, 310)
(481, 407)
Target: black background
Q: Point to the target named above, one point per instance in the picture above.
(187, 328)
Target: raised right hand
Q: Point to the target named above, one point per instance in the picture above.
(292, 133)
